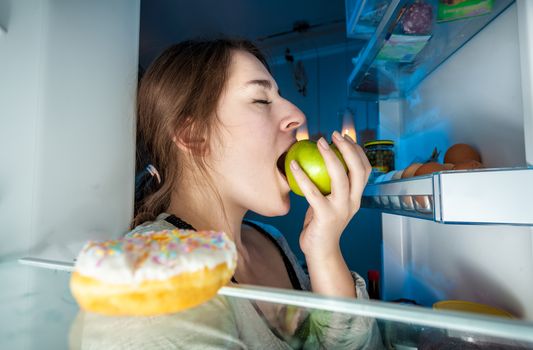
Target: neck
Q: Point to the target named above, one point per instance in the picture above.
(204, 212)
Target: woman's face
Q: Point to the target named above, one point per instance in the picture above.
(258, 126)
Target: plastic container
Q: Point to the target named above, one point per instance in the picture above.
(463, 339)
(469, 306)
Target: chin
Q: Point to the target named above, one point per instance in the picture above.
(272, 214)
(281, 209)
(285, 206)
(283, 212)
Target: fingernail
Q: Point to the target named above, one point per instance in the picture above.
(294, 165)
(337, 135)
(322, 143)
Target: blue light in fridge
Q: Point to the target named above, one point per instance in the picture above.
(418, 148)
(427, 286)
(408, 82)
(413, 99)
(407, 280)
(422, 134)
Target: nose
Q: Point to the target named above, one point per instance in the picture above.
(293, 118)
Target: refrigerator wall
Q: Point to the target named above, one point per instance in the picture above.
(68, 76)
(67, 92)
(477, 97)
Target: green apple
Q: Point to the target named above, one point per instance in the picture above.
(306, 153)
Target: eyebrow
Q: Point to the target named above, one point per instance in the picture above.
(261, 82)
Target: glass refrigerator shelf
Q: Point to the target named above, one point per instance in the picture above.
(383, 73)
(41, 313)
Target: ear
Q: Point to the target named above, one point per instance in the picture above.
(195, 146)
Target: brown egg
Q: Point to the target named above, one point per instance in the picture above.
(429, 168)
(410, 170)
(424, 203)
(461, 153)
(471, 164)
(407, 201)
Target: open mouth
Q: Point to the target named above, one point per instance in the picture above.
(281, 164)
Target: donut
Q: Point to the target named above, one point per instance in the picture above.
(152, 273)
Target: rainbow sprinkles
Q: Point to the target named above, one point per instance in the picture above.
(154, 255)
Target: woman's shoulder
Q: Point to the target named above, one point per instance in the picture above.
(265, 228)
(283, 244)
(274, 234)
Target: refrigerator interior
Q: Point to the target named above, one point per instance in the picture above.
(480, 96)
(476, 96)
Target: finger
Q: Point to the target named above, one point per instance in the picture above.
(357, 191)
(340, 184)
(349, 152)
(362, 154)
(308, 188)
(357, 171)
(364, 159)
(361, 151)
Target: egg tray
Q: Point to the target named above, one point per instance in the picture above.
(411, 197)
(422, 204)
(480, 196)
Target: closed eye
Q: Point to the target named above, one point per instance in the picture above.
(265, 102)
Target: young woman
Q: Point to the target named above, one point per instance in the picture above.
(214, 125)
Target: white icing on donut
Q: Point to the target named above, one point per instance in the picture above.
(155, 255)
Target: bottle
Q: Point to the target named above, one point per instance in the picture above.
(373, 284)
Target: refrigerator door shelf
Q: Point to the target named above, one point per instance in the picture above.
(484, 196)
(365, 17)
(395, 60)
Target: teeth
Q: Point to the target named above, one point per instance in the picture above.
(281, 163)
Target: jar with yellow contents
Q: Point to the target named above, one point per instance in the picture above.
(380, 154)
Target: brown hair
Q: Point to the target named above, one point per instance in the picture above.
(178, 97)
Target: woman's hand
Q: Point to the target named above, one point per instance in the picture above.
(328, 216)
